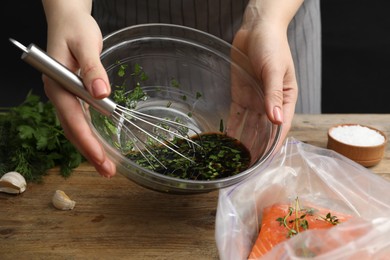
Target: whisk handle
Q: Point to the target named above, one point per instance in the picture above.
(58, 72)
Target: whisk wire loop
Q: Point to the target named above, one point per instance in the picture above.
(132, 136)
(134, 117)
(131, 113)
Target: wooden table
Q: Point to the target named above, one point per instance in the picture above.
(117, 219)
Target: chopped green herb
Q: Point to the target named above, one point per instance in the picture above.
(221, 126)
(220, 156)
(140, 73)
(122, 70)
(175, 83)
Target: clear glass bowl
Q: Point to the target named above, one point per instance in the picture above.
(209, 86)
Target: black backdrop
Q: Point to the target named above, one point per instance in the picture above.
(356, 54)
(25, 22)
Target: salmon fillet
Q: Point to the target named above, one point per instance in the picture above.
(273, 232)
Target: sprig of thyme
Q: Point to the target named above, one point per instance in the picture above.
(331, 219)
(299, 221)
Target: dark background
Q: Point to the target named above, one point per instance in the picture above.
(356, 54)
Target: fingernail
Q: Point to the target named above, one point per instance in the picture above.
(99, 88)
(107, 167)
(278, 115)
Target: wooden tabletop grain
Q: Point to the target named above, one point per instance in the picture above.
(117, 219)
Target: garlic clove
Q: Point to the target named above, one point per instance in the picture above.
(13, 182)
(61, 201)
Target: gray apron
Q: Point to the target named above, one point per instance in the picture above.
(222, 18)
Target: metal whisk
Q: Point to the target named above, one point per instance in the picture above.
(141, 128)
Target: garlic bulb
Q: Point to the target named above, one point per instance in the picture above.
(61, 201)
(13, 182)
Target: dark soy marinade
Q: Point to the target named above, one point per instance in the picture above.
(218, 156)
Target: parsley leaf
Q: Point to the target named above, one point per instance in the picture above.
(32, 141)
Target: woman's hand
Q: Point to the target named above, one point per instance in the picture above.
(75, 40)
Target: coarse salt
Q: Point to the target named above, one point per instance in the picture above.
(357, 135)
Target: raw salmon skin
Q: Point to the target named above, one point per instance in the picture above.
(272, 232)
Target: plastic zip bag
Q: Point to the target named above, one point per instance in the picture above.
(319, 177)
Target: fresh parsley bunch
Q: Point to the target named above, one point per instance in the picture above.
(33, 141)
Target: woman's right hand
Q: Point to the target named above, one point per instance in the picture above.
(75, 40)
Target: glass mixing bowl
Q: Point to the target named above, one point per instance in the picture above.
(208, 85)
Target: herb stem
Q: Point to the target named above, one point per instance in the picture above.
(299, 221)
